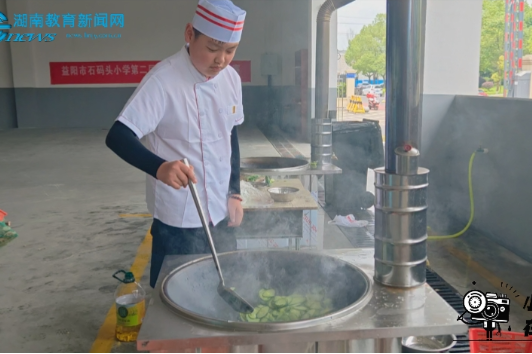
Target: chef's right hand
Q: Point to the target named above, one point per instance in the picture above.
(176, 174)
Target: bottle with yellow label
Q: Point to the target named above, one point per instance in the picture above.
(130, 301)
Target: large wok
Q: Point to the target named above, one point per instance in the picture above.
(283, 165)
(190, 290)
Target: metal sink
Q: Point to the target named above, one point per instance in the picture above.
(190, 290)
(272, 164)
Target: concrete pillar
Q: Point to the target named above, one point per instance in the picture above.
(350, 85)
(527, 66)
(452, 47)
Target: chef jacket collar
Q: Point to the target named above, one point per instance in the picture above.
(196, 75)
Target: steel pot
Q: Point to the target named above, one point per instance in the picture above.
(429, 344)
(282, 165)
(283, 194)
(190, 290)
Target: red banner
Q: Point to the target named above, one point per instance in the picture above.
(100, 72)
(117, 72)
(243, 67)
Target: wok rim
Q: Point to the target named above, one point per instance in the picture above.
(266, 326)
(302, 166)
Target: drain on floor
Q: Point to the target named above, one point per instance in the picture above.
(455, 300)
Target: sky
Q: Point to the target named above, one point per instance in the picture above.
(352, 17)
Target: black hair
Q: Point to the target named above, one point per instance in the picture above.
(196, 33)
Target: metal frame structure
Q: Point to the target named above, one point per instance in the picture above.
(513, 44)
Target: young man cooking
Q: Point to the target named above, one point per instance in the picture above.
(189, 106)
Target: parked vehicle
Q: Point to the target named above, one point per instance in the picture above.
(368, 89)
(482, 93)
(359, 90)
(379, 89)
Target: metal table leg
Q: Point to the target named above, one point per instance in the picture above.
(388, 345)
(378, 345)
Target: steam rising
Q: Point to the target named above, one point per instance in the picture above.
(194, 288)
(267, 224)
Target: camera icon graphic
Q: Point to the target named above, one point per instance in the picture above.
(489, 308)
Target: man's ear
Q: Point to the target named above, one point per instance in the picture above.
(189, 33)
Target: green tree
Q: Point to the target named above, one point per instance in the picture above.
(492, 35)
(367, 50)
(497, 76)
(341, 89)
(527, 30)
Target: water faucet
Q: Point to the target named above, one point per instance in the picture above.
(482, 150)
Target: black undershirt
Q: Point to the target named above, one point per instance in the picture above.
(125, 143)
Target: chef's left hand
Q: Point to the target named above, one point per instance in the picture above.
(236, 212)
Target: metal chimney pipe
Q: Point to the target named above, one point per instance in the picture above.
(323, 30)
(321, 140)
(400, 187)
(405, 51)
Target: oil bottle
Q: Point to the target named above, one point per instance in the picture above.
(130, 301)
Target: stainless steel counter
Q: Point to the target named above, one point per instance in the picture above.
(325, 170)
(389, 315)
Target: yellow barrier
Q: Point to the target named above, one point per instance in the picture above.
(355, 105)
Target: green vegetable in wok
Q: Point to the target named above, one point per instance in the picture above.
(252, 178)
(269, 180)
(266, 295)
(296, 307)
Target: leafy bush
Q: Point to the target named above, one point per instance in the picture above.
(487, 85)
(341, 89)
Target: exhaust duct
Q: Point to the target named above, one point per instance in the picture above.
(321, 135)
(401, 186)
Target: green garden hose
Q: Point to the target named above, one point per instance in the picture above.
(470, 199)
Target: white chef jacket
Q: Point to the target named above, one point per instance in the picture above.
(182, 114)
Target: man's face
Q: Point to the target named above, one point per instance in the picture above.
(209, 56)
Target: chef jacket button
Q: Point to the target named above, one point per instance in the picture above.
(220, 111)
(219, 135)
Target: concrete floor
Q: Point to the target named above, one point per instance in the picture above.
(65, 193)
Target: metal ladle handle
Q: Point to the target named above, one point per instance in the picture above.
(205, 224)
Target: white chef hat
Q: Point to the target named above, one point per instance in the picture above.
(220, 20)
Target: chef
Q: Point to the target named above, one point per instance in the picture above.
(189, 106)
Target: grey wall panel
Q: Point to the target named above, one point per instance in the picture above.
(98, 107)
(8, 112)
(501, 178)
(69, 108)
(435, 109)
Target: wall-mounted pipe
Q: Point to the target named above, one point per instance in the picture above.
(323, 53)
(321, 141)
